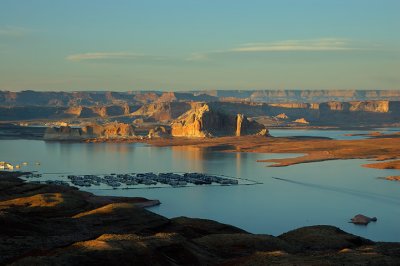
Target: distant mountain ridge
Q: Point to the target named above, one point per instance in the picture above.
(93, 98)
(320, 108)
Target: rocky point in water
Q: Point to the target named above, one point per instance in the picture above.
(205, 120)
(362, 219)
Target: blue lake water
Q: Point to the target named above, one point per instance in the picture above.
(328, 192)
(334, 134)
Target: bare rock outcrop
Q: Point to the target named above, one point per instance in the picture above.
(362, 219)
(204, 121)
(117, 130)
(301, 121)
(282, 116)
(159, 132)
(111, 131)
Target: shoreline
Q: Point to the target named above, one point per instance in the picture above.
(10, 130)
(379, 148)
(313, 149)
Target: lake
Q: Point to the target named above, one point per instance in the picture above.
(328, 192)
(334, 134)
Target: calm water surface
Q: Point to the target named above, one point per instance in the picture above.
(334, 134)
(308, 194)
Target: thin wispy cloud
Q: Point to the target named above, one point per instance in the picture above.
(324, 44)
(12, 31)
(312, 45)
(112, 56)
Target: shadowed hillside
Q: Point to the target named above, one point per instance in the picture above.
(53, 225)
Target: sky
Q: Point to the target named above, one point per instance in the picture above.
(181, 45)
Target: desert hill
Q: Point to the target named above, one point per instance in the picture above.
(53, 225)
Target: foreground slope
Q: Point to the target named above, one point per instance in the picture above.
(54, 225)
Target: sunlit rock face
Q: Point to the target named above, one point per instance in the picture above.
(110, 131)
(301, 121)
(205, 121)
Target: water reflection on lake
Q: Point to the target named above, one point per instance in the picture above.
(307, 194)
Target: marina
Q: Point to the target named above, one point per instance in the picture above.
(140, 180)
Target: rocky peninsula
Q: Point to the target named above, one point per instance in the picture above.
(49, 224)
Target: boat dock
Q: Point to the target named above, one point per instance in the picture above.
(141, 180)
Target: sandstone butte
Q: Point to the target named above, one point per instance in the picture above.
(108, 131)
(205, 120)
(56, 225)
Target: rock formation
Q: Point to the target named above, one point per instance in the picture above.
(239, 124)
(362, 219)
(117, 130)
(282, 116)
(63, 133)
(109, 131)
(203, 121)
(159, 132)
(301, 121)
(393, 178)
